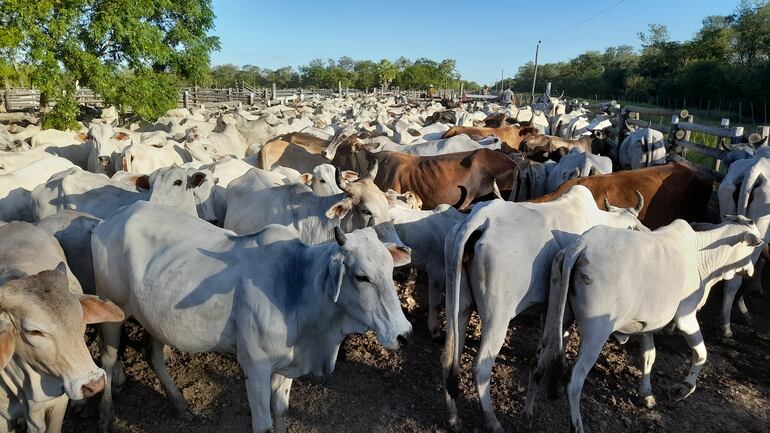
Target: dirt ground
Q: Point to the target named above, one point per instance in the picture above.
(377, 390)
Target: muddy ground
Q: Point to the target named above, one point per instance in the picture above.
(376, 390)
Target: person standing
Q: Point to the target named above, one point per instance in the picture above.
(507, 97)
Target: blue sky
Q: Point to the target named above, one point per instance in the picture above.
(482, 36)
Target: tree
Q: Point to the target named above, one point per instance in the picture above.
(123, 49)
(386, 72)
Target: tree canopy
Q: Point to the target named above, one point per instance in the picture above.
(360, 74)
(129, 51)
(729, 58)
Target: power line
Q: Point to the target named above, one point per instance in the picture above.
(584, 21)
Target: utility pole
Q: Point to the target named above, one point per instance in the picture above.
(502, 80)
(534, 79)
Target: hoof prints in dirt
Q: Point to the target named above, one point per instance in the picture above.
(376, 390)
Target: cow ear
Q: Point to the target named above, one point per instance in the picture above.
(340, 209)
(96, 310)
(197, 179)
(306, 178)
(142, 182)
(334, 279)
(120, 136)
(349, 175)
(402, 255)
(7, 341)
(81, 136)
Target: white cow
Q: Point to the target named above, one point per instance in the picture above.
(503, 251)
(15, 187)
(100, 196)
(43, 316)
(144, 159)
(251, 207)
(747, 178)
(424, 231)
(625, 282)
(283, 308)
(577, 164)
(642, 148)
(107, 144)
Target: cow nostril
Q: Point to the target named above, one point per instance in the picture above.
(93, 387)
(403, 340)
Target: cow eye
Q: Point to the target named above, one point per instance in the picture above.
(322, 181)
(363, 278)
(35, 332)
(366, 212)
(178, 182)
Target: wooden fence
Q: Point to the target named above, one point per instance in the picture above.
(679, 133)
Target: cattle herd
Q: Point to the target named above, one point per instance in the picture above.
(272, 233)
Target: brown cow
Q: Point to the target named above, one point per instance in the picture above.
(273, 150)
(458, 179)
(670, 192)
(541, 146)
(511, 136)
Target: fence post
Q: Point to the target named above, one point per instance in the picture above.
(7, 97)
(339, 89)
(672, 135)
(267, 99)
(251, 98)
(301, 95)
(186, 99)
(273, 96)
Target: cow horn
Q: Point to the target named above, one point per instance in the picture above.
(496, 190)
(562, 94)
(640, 204)
(728, 146)
(608, 206)
(373, 171)
(339, 236)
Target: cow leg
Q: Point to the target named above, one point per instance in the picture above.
(648, 358)
(55, 414)
(279, 402)
(259, 393)
(492, 339)
(434, 301)
(463, 317)
(111, 333)
(745, 316)
(689, 326)
(594, 336)
(756, 281)
(158, 364)
(731, 289)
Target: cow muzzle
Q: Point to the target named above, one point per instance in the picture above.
(104, 160)
(93, 387)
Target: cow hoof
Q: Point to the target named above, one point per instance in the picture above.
(495, 427)
(184, 413)
(727, 332)
(436, 336)
(648, 401)
(680, 391)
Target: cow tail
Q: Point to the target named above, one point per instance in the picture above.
(551, 363)
(747, 185)
(454, 252)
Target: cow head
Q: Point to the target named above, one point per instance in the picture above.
(106, 145)
(323, 180)
(364, 206)
(734, 245)
(340, 137)
(43, 324)
(360, 282)
(191, 190)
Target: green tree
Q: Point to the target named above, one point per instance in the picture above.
(386, 72)
(123, 49)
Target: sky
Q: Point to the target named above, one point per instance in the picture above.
(484, 38)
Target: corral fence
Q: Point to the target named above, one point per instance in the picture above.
(706, 152)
